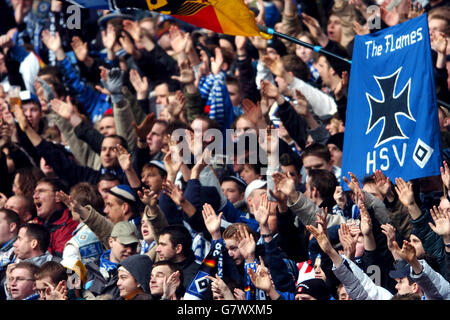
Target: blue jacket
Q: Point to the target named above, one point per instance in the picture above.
(95, 102)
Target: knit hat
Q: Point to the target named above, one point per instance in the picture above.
(338, 140)
(140, 266)
(125, 232)
(123, 192)
(316, 288)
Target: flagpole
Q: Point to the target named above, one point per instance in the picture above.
(305, 44)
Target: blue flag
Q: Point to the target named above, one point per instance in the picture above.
(392, 119)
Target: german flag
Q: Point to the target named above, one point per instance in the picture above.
(231, 17)
(210, 262)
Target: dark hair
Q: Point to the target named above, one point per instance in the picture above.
(28, 178)
(52, 269)
(108, 177)
(296, 65)
(123, 142)
(240, 186)
(85, 193)
(287, 160)
(317, 150)
(325, 181)
(368, 179)
(38, 232)
(179, 234)
(55, 183)
(407, 296)
(11, 217)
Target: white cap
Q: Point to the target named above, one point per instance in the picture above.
(255, 184)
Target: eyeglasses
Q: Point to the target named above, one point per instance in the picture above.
(19, 279)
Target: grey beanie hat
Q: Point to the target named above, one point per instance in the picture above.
(140, 266)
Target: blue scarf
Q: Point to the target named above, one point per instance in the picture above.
(146, 246)
(105, 263)
(34, 296)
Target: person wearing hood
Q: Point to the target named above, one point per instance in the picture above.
(134, 278)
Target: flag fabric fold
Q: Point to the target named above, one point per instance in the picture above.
(231, 17)
(392, 121)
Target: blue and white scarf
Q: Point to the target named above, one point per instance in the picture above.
(145, 246)
(105, 263)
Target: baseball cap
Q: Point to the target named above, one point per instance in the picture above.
(401, 270)
(158, 164)
(236, 179)
(124, 192)
(255, 184)
(125, 232)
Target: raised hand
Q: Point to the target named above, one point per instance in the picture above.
(220, 289)
(285, 184)
(148, 197)
(145, 127)
(389, 231)
(72, 204)
(348, 242)
(275, 65)
(132, 27)
(366, 221)
(382, 182)
(140, 84)
(441, 220)
(405, 192)
(109, 38)
(407, 252)
(445, 175)
(212, 221)
(269, 90)
(176, 104)
(124, 158)
(360, 30)
(342, 86)
(217, 61)
(178, 39)
(415, 10)
(187, 75)
(174, 192)
(314, 27)
(53, 42)
(56, 293)
(353, 184)
(340, 197)
(21, 119)
(252, 110)
(261, 278)
(239, 294)
(63, 109)
(171, 285)
(246, 244)
(263, 212)
(112, 80)
(391, 18)
(127, 44)
(80, 48)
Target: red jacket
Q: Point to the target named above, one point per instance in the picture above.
(60, 230)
